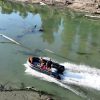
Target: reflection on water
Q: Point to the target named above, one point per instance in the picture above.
(34, 28)
(75, 43)
(65, 34)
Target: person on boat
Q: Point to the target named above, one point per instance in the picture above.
(46, 65)
(49, 65)
(30, 59)
(33, 60)
(43, 64)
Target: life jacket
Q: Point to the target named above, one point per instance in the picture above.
(43, 67)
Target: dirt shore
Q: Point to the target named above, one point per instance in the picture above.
(89, 6)
(23, 93)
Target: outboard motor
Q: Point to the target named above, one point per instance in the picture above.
(61, 69)
(55, 65)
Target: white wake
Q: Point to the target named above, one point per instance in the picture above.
(82, 75)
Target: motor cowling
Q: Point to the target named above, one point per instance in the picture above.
(61, 69)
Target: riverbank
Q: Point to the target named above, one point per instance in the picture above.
(23, 93)
(90, 6)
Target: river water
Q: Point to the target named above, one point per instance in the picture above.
(74, 40)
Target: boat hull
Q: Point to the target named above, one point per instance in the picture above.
(56, 69)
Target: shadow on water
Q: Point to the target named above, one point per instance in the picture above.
(27, 53)
(83, 53)
(7, 43)
(33, 53)
(29, 31)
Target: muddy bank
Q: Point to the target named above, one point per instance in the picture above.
(90, 6)
(23, 93)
